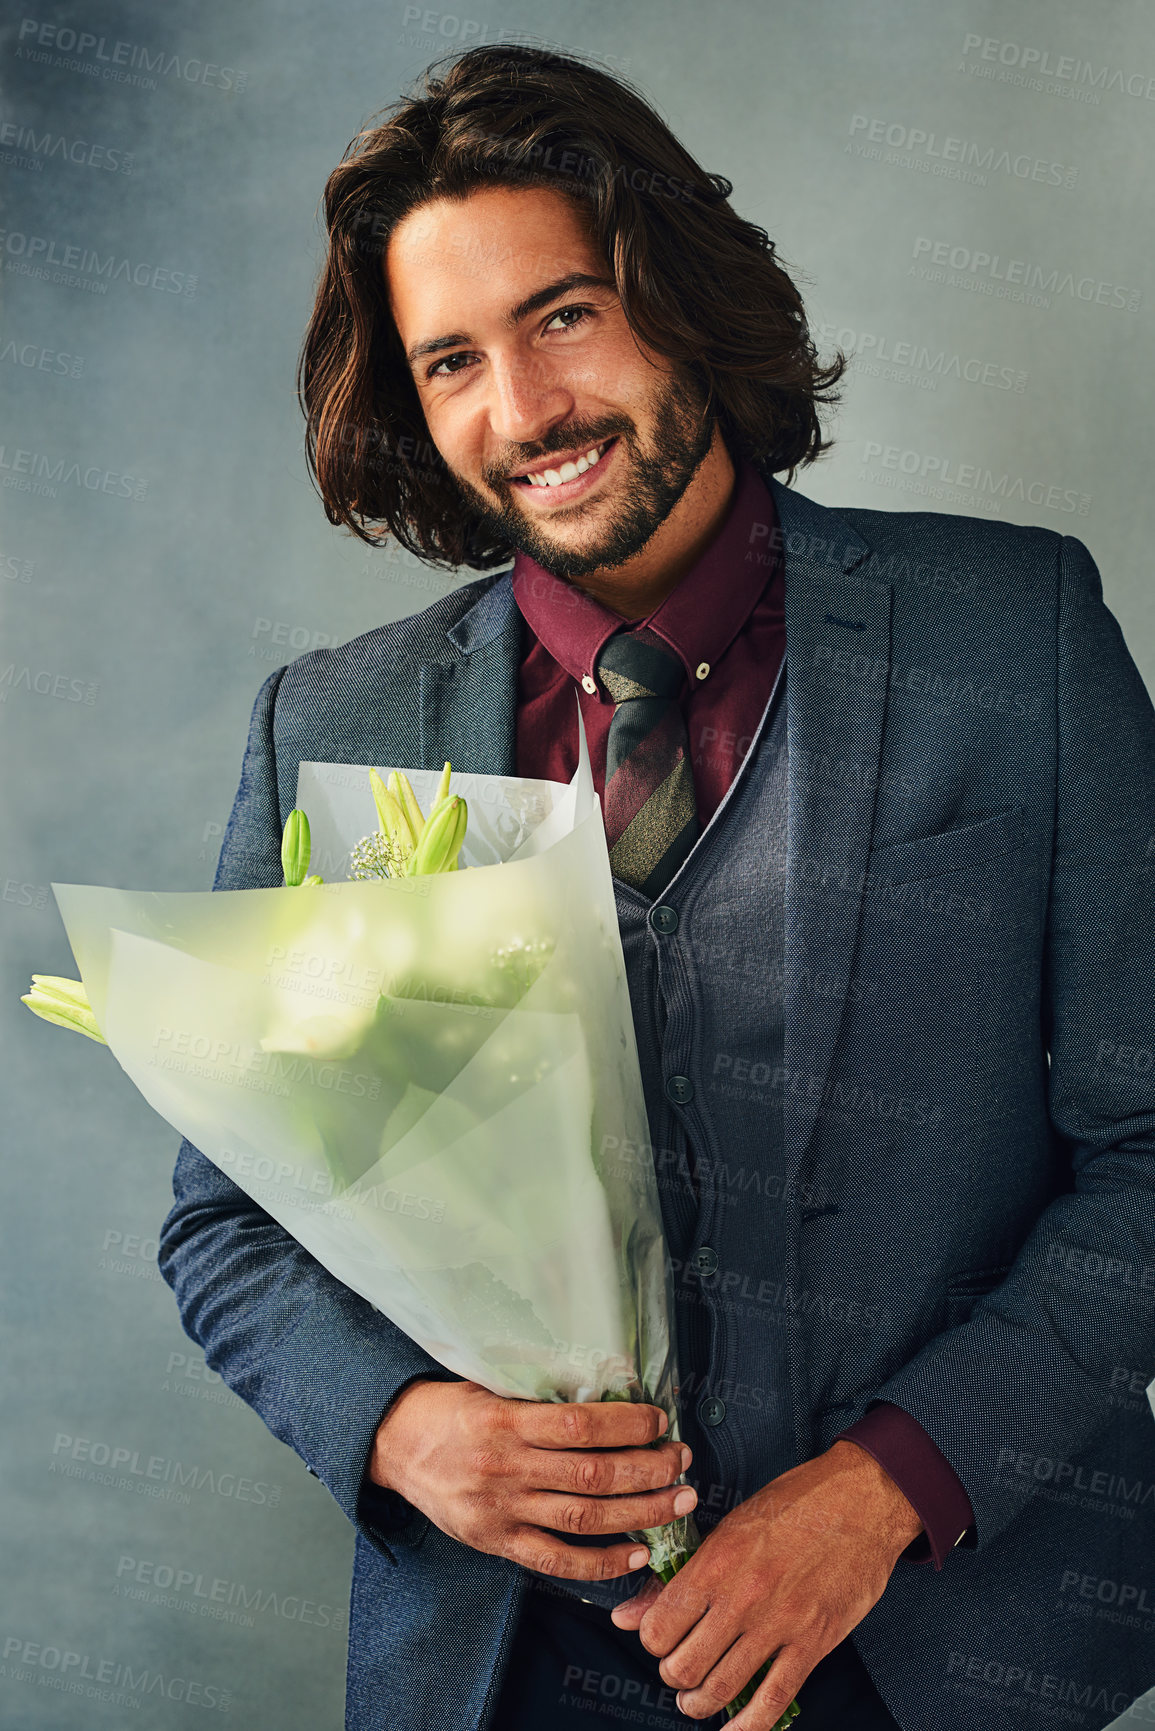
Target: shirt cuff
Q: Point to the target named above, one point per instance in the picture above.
(922, 1473)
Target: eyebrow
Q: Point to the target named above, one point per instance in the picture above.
(533, 303)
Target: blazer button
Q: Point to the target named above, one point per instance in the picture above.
(705, 1259)
(664, 919)
(679, 1089)
(712, 1411)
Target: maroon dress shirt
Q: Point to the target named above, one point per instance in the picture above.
(726, 622)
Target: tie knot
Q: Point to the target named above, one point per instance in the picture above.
(638, 664)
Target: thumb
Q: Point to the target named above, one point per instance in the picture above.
(629, 1614)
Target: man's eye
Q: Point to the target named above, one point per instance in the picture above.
(447, 362)
(565, 312)
(448, 365)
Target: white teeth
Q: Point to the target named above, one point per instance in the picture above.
(568, 472)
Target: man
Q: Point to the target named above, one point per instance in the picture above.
(878, 796)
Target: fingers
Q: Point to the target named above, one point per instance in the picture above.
(536, 1549)
(705, 1689)
(618, 1472)
(630, 1612)
(579, 1514)
(772, 1696)
(587, 1424)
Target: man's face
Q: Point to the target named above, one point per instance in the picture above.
(570, 440)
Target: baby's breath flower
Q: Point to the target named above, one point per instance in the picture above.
(376, 856)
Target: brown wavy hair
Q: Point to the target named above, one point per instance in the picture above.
(697, 283)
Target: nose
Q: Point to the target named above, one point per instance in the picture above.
(527, 397)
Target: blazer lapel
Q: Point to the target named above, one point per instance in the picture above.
(469, 703)
(837, 655)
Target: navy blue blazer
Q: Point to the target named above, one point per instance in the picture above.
(971, 869)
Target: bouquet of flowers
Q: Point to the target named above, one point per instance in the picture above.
(416, 1070)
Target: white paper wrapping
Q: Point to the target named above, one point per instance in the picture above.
(426, 1081)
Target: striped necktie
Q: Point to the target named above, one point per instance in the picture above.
(651, 818)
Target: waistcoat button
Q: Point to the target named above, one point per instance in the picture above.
(664, 919)
(705, 1259)
(679, 1089)
(712, 1411)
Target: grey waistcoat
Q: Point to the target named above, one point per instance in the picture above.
(705, 965)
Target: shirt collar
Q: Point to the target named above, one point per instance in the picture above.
(699, 619)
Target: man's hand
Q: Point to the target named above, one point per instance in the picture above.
(788, 1572)
(500, 1474)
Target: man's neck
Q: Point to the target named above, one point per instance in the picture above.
(636, 588)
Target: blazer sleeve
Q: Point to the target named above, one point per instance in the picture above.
(318, 1363)
(1026, 1379)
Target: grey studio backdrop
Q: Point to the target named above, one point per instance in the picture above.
(965, 191)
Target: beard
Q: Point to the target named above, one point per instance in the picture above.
(654, 481)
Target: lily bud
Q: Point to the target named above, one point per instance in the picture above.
(391, 815)
(459, 839)
(442, 793)
(440, 840)
(64, 1002)
(402, 791)
(295, 848)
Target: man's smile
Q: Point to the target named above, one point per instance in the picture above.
(552, 481)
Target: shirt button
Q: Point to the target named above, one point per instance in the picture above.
(679, 1089)
(589, 684)
(712, 1411)
(702, 670)
(705, 1259)
(664, 919)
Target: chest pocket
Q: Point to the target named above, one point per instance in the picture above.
(963, 1291)
(952, 850)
